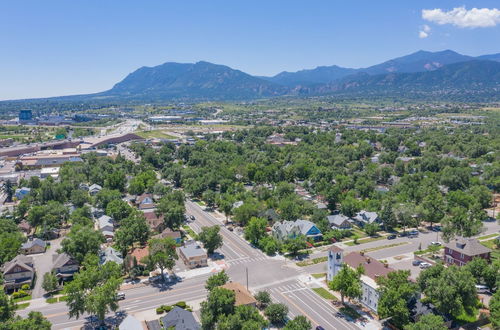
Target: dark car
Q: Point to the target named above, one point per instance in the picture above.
(192, 217)
(392, 236)
(403, 234)
(319, 327)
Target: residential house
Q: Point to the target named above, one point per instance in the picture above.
(461, 250)
(156, 223)
(130, 323)
(193, 255)
(106, 227)
(138, 254)
(25, 227)
(339, 221)
(179, 319)
(364, 217)
(64, 266)
(372, 270)
(22, 192)
(96, 212)
(241, 294)
(94, 189)
(145, 202)
(291, 229)
(83, 186)
(17, 272)
(34, 246)
(419, 309)
(110, 255)
(175, 235)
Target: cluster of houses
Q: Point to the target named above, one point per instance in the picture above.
(457, 252)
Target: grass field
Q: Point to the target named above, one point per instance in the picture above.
(22, 306)
(324, 293)
(320, 275)
(312, 261)
(487, 236)
(495, 253)
(155, 134)
(383, 247)
(365, 240)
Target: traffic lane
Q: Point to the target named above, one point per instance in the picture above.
(262, 273)
(240, 246)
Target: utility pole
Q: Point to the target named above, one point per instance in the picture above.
(246, 268)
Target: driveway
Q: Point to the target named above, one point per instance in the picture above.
(43, 264)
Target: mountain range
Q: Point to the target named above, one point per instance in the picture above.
(423, 73)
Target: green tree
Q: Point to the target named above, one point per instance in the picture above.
(298, 323)
(396, 291)
(256, 230)
(243, 318)
(105, 196)
(371, 229)
(94, 289)
(133, 229)
(263, 298)
(8, 190)
(162, 254)
(34, 321)
(7, 307)
(118, 209)
(276, 313)
(219, 302)
(347, 282)
(115, 180)
(209, 198)
(245, 212)
(172, 208)
(79, 197)
(349, 206)
(269, 245)
(294, 245)
(82, 241)
(428, 322)
(495, 309)
(50, 282)
(216, 280)
(210, 238)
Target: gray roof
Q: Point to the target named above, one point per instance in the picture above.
(21, 260)
(110, 254)
(467, 246)
(365, 216)
(36, 241)
(104, 221)
(180, 319)
(192, 250)
(130, 323)
(304, 226)
(287, 227)
(61, 259)
(95, 186)
(337, 219)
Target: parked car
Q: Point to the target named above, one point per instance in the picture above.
(425, 265)
(120, 296)
(436, 243)
(481, 288)
(403, 234)
(416, 262)
(392, 236)
(413, 233)
(436, 228)
(192, 218)
(319, 327)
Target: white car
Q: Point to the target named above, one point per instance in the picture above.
(425, 265)
(436, 243)
(481, 288)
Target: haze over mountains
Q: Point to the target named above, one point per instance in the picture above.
(445, 73)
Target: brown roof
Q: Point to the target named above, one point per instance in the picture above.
(20, 260)
(335, 248)
(153, 221)
(241, 294)
(139, 253)
(373, 267)
(142, 197)
(24, 226)
(467, 246)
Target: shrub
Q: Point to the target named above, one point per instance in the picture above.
(25, 287)
(167, 309)
(159, 310)
(181, 304)
(19, 294)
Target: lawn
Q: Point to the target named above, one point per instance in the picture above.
(383, 247)
(22, 306)
(28, 297)
(155, 134)
(487, 236)
(324, 293)
(365, 240)
(495, 252)
(53, 300)
(321, 275)
(312, 261)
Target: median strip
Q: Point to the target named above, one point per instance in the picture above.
(383, 247)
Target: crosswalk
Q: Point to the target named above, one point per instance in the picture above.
(246, 260)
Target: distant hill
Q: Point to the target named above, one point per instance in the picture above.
(492, 57)
(319, 75)
(198, 80)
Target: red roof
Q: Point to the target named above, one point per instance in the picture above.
(373, 267)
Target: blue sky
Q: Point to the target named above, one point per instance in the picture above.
(62, 47)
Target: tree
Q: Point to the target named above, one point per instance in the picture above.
(115, 180)
(298, 323)
(245, 212)
(276, 313)
(294, 245)
(396, 291)
(105, 196)
(495, 309)
(82, 241)
(7, 307)
(220, 302)
(269, 245)
(162, 254)
(94, 289)
(133, 229)
(216, 280)
(50, 282)
(263, 298)
(209, 198)
(118, 209)
(34, 321)
(172, 208)
(463, 221)
(255, 230)
(210, 238)
(347, 282)
(371, 229)
(8, 190)
(243, 318)
(79, 197)
(349, 206)
(428, 322)
(452, 290)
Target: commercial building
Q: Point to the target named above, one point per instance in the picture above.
(193, 255)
